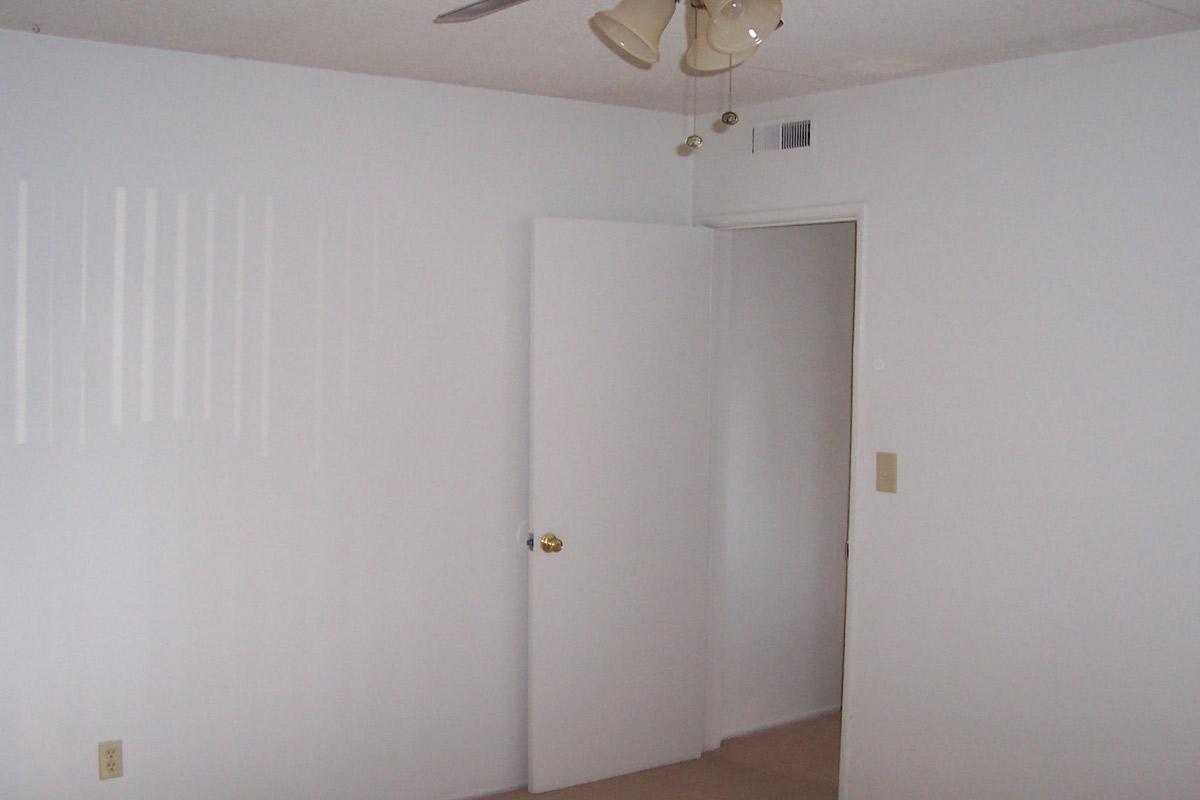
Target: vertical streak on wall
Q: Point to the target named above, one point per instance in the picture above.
(239, 322)
(118, 309)
(83, 318)
(181, 266)
(268, 267)
(209, 268)
(149, 291)
(346, 313)
(20, 339)
(319, 357)
(50, 325)
(375, 271)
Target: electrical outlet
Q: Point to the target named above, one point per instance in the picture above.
(112, 763)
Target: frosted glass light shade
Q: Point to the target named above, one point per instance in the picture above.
(701, 56)
(636, 26)
(737, 25)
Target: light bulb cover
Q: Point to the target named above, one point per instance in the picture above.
(636, 26)
(737, 25)
(701, 56)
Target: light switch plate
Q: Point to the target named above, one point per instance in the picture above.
(885, 472)
(112, 763)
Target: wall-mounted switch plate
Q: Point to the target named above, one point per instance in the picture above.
(885, 472)
(112, 763)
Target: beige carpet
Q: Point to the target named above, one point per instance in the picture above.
(795, 762)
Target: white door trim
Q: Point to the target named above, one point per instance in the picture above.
(800, 215)
(815, 215)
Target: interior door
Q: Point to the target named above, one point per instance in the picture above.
(619, 475)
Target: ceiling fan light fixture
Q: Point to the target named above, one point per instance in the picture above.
(737, 25)
(701, 56)
(636, 26)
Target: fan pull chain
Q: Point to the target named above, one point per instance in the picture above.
(695, 141)
(730, 117)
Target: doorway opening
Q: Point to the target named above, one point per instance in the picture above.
(782, 444)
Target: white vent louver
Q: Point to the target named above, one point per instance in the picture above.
(782, 136)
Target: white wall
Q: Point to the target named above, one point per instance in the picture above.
(1023, 613)
(784, 464)
(312, 586)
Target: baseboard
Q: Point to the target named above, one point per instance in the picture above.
(820, 712)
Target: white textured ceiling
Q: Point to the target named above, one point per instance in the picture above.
(546, 46)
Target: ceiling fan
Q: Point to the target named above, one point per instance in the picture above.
(727, 31)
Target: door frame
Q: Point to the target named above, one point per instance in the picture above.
(817, 215)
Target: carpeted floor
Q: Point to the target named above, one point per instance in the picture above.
(794, 762)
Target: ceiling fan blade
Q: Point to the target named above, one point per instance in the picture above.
(476, 10)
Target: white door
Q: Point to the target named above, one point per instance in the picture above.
(619, 473)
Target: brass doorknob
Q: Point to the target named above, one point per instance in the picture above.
(551, 543)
